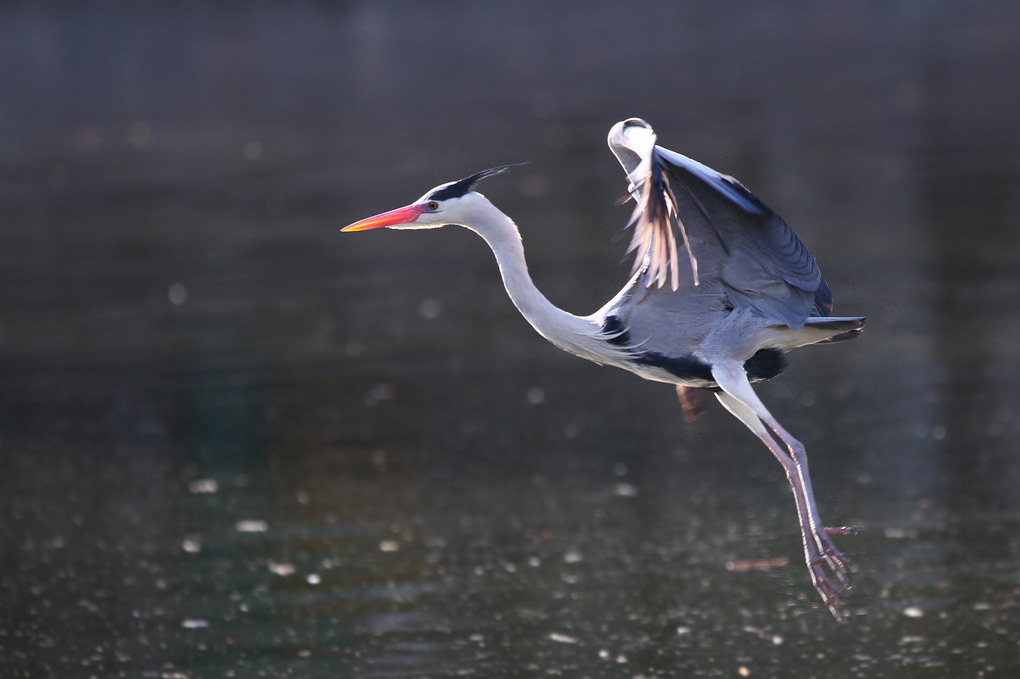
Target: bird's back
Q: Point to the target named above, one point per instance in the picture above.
(709, 254)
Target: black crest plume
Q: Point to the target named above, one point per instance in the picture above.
(462, 186)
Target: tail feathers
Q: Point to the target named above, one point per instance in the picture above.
(843, 328)
(817, 330)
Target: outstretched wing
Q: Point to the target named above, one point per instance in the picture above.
(687, 210)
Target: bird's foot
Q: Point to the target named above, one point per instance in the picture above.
(831, 595)
(838, 563)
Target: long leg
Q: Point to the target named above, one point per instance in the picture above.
(731, 377)
(830, 596)
(739, 398)
(839, 563)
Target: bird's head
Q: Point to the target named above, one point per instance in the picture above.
(450, 203)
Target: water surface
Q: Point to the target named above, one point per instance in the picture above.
(239, 443)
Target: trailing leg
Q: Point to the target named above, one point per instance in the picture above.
(739, 398)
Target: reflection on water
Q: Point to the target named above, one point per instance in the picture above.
(239, 444)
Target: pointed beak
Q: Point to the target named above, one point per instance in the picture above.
(402, 215)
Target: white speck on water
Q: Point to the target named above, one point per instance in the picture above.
(562, 638)
(429, 309)
(535, 396)
(177, 294)
(203, 486)
(604, 654)
(913, 612)
(622, 659)
(251, 526)
(389, 546)
(281, 568)
(313, 579)
(192, 544)
(534, 561)
(194, 624)
(625, 490)
(509, 568)
(572, 556)
(683, 631)
(982, 606)
(743, 671)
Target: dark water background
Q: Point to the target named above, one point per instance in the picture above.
(236, 443)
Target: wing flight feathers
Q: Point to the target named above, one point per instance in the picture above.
(680, 203)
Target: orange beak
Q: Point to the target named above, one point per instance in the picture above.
(402, 215)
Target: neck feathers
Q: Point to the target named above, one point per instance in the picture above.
(574, 334)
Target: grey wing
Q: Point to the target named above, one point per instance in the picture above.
(728, 235)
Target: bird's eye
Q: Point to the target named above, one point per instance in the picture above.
(432, 205)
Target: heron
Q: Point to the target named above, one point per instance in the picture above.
(721, 289)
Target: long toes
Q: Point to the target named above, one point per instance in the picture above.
(831, 597)
(840, 564)
(843, 576)
(837, 564)
(837, 560)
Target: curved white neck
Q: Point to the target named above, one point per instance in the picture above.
(571, 333)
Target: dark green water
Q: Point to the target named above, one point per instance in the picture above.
(237, 443)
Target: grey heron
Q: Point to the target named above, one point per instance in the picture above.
(721, 289)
